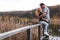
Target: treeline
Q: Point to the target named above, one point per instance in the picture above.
(54, 11)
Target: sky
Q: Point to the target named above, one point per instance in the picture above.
(18, 5)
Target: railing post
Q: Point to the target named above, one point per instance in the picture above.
(39, 33)
(29, 34)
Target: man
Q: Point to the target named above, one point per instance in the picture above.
(44, 18)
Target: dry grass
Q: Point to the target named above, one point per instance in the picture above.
(8, 23)
(55, 20)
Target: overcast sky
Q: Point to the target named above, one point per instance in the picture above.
(18, 5)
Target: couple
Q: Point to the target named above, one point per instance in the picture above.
(44, 17)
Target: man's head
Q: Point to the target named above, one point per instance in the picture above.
(42, 5)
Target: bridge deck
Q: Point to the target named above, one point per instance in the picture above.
(54, 38)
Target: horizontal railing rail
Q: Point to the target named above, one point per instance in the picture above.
(28, 28)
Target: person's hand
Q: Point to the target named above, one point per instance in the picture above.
(47, 20)
(41, 16)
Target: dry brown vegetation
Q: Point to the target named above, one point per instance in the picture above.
(8, 23)
(55, 20)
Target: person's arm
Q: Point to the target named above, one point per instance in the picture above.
(45, 19)
(44, 13)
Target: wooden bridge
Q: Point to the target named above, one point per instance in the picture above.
(29, 33)
(54, 38)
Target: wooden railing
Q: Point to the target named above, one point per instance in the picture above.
(29, 32)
